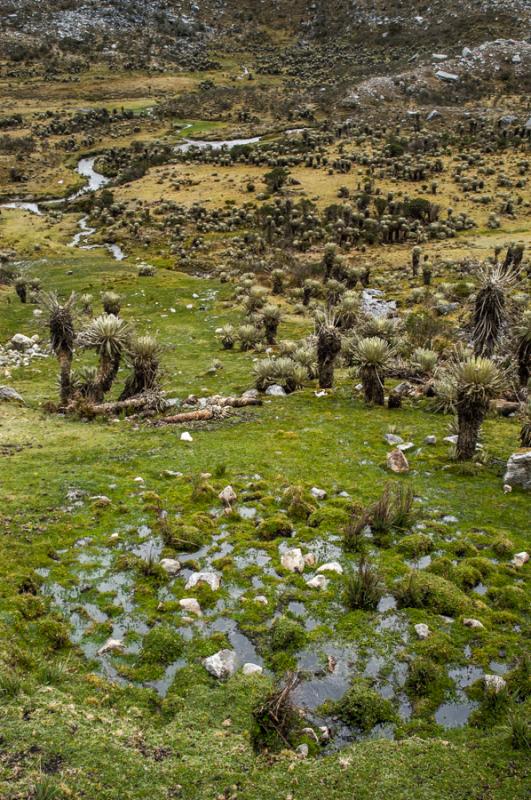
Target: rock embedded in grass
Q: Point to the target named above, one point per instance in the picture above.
(208, 578)
(222, 664)
(397, 462)
(422, 630)
(170, 565)
(293, 560)
(191, 604)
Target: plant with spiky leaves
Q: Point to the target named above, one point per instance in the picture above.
(489, 309)
(328, 349)
(424, 361)
(525, 430)
(277, 278)
(478, 381)
(270, 317)
(109, 336)
(227, 337)
(372, 356)
(248, 336)
(348, 311)
(85, 302)
(85, 383)
(112, 302)
(523, 349)
(21, 288)
(62, 338)
(143, 356)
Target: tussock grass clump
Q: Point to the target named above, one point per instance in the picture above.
(364, 587)
(519, 729)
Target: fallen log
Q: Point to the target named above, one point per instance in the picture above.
(142, 402)
(210, 412)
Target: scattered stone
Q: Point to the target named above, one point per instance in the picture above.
(439, 56)
(186, 437)
(518, 471)
(397, 462)
(495, 683)
(331, 566)
(406, 446)
(222, 664)
(318, 582)
(9, 395)
(20, 342)
(252, 669)
(422, 630)
(475, 624)
(319, 494)
(262, 599)
(430, 440)
(392, 438)
(228, 496)
(293, 560)
(190, 604)
(449, 77)
(210, 578)
(170, 565)
(520, 559)
(450, 439)
(302, 751)
(466, 52)
(433, 115)
(110, 646)
(275, 391)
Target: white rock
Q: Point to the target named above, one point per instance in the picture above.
(422, 630)
(318, 582)
(262, 599)
(430, 440)
(275, 391)
(405, 446)
(331, 566)
(191, 605)
(210, 578)
(520, 559)
(450, 439)
(449, 77)
(227, 496)
(20, 342)
(110, 645)
(222, 664)
(466, 52)
(293, 560)
(494, 683)
(439, 56)
(186, 437)
(138, 479)
(170, 565)
(475, 624)
(252, 669)
(319, 494)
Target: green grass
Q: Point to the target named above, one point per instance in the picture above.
(106, 740)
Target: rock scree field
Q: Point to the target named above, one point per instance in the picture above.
(265, 427)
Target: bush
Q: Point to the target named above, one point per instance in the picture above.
(364, 587)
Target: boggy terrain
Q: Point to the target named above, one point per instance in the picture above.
(265, 344)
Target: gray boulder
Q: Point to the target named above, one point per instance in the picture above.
(518, 471)
(9, 395)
